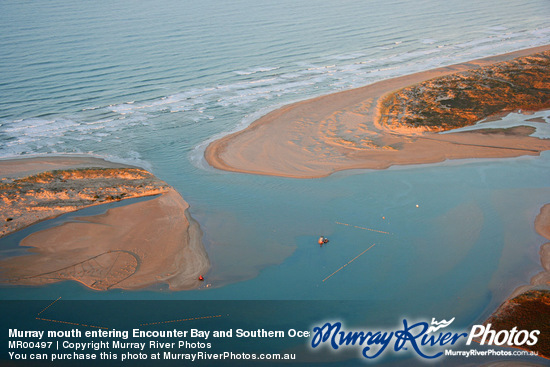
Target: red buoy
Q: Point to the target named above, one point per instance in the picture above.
(201, 278)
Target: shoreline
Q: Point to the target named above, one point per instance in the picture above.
(542, 226)
(20, 167)
(133, 246)
(319, 136)
(527, 307)
(541, 279)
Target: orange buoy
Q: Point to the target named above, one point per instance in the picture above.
(201, 278)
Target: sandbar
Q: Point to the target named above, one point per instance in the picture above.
(129, 247)
(345, 130)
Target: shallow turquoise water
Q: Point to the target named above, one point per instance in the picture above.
(150, 85)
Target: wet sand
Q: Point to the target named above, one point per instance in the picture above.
(340, 131)
(129, 247)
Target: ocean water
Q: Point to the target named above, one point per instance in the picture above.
(152, 85)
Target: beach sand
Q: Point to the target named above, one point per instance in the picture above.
(129, 247)
(320, 136)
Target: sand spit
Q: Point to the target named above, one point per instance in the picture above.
(128, 247)
(347, 130)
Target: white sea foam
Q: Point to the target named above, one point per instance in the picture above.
(274, 83)
(255, 70)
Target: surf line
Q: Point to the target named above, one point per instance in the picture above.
(366, 229)
(349, 262)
